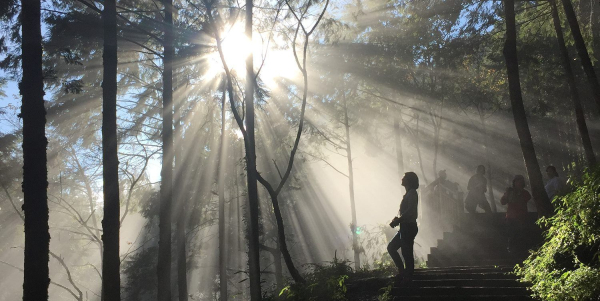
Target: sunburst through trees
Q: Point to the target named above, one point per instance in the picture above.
(223, 150)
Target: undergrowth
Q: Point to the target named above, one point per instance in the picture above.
(567, 266)
(330, 281)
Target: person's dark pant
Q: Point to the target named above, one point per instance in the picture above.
(471, 205)
(404, 239)
(515, 229)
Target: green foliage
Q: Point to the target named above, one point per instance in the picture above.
(567, 266)
(323, 282)
(335, 280)
(386, 294)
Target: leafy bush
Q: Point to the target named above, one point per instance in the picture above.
(386, 293)
(567, 266)
(323, 282)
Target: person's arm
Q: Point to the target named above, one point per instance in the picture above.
(526, 196)
(504, 200)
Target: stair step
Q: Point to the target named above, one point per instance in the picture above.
(468, 269)
(444, 263)
(435, 276)
(464, 298)
(459, 291)
(470, 282)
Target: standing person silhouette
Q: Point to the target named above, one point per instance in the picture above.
(477, 188)
(407, 219)
(555, 184)
(516, 197)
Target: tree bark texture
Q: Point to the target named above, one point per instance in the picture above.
(544, 207)
(579, 115)
(35, 173)
(287, 258)
(111, 281)
(253, 244)
(582, 50)
(166, 173)
(221, 183)
(180, 200)
(353, 226)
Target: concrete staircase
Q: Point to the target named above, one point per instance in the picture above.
(462, 283)
(481, 239)
(471, 263)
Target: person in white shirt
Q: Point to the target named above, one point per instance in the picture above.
(477, 188)
(555, 185)
(407, 219)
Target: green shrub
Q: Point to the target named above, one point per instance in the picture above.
(386, 293)
(567, 266)
(323, 282)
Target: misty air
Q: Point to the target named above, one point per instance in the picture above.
(299, 150)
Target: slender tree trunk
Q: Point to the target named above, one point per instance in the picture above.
(221, 184)
(353, 226)
(287, 258)
(595, 19)
(35, 173)
(278, 267)
(111, 281)
(398, 140)
(180, 200)
(582, 50)
(253, 204)
(579, 115)
(542, 202)
(486, 142)
(166, 173)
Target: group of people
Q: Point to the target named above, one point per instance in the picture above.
(515, 197)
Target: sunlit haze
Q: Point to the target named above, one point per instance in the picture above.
(348, 97)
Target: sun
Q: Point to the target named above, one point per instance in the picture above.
(273, 63)
(236, 48)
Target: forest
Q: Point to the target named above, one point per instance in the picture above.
(255, 150)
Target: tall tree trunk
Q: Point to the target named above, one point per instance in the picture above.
(253, 244)
(221, 184)
(353, 226)
(486, 144)
(582, 50)
(579, 115)
(398, 140)
(111, 280)
(35, 173)
(179, 199)
(595, 19)
(166, 173)
(542, 202)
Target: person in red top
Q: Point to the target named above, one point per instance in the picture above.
(516, 197)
